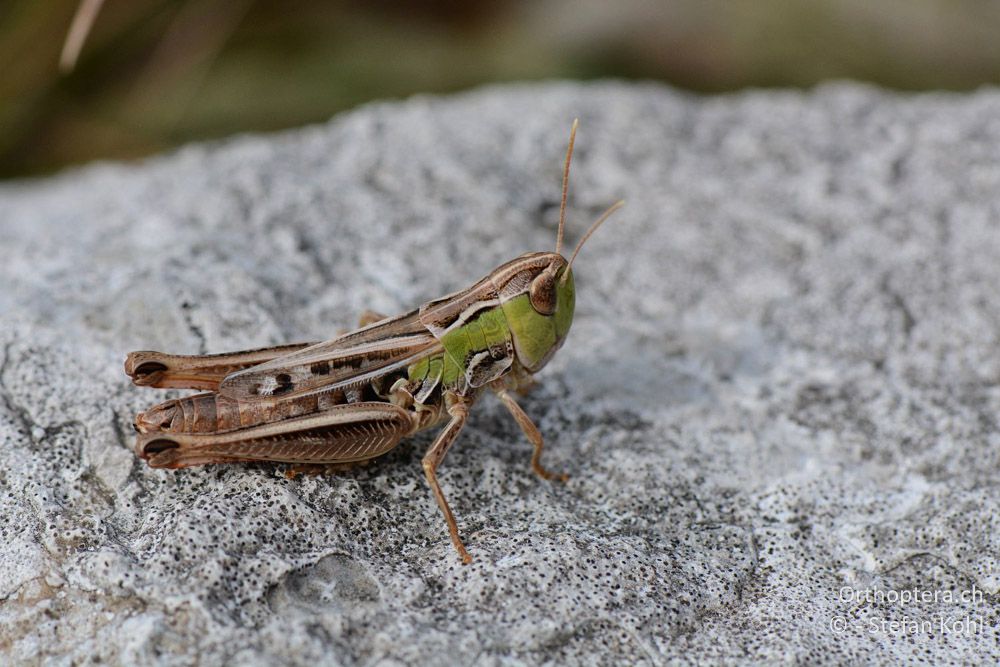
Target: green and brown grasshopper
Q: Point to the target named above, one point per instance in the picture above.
(350, 399)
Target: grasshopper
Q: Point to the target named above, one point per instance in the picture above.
(323, 406)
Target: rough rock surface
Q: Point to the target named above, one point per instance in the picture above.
(779, 402)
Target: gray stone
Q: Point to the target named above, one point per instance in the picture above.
(780, 395)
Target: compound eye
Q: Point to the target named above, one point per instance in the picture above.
(543, 293)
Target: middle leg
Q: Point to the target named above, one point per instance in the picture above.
(459, 411)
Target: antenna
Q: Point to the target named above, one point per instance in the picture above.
(565, 188)
(604, 216)
(83, 21)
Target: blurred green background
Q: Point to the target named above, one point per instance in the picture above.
(154, 73)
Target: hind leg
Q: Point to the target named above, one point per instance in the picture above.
(345, 433)
(206, 371)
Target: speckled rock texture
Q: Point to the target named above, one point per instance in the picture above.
(778, 404)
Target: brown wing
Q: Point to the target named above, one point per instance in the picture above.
(345, 361)
(206, 371)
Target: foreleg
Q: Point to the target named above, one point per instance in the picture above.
(531, 432)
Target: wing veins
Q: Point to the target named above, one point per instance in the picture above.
(340, 362)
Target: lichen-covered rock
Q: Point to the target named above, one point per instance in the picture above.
(779, 402)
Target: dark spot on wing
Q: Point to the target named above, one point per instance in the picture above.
(320, 368)
(284, 384)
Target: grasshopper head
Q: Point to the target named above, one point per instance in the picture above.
(537, 297)
(537, 292)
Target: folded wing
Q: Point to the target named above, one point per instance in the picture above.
(342, 362)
